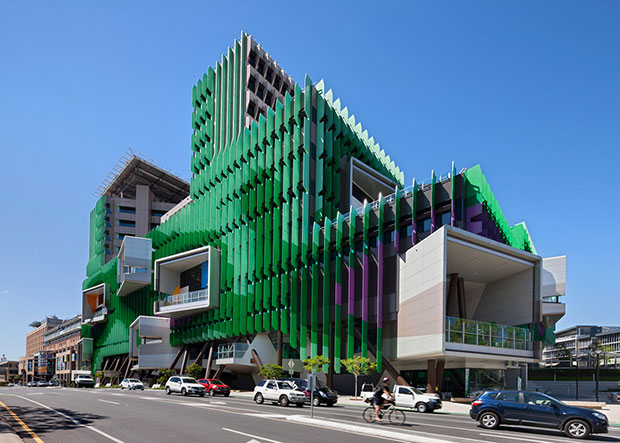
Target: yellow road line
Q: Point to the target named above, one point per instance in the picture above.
(34, 436)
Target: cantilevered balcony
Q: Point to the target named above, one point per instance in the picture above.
(134, 264)
(183, 304)
(488, 338)
(188, 282)
(94, 304)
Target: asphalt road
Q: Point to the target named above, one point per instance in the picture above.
(104, 415)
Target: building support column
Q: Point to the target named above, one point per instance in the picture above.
(434, 375)
(201, 353)
(184, 362)
(209, 361)
(176, 358)
(461, 297)
(279, 349)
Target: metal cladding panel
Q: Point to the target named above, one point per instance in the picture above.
(351, 287)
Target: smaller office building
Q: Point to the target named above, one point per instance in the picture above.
(38, 362)
(8, 370)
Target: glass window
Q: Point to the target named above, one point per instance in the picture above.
(130, 223)
(423, 225)
(127, 209)
(509, 396)
(532, 398)
(402, 390)
(271, 385)
(261, 383)
(188, 380)
(157, 212)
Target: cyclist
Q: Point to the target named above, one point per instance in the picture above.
(378, 400)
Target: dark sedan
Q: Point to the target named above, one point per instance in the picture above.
(322, 394)
(535, 409)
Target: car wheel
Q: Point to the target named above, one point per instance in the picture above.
(316, 401)
(259, 399)
(202, 395)
(577, 429)
(122, 387)
(421, 407)
(211, 392)
(227, 395)
(330, 404)
(183, 392)
(489, 420)
(167, 390)
(283, 400)
(299, 405)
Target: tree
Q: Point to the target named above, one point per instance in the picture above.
(357, 366)
(315, 364)
(271, 371)
(194, 371)
(164, 375)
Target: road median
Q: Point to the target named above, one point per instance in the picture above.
(371, 431)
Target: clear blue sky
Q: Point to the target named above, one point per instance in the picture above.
(530, 90)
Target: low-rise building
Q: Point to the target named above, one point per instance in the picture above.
(8, 370)
(579, 343)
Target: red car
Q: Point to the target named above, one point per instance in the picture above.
(215, 387)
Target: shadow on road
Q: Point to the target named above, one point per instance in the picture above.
(43, 421)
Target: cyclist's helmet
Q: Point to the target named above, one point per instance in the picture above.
(386, 379)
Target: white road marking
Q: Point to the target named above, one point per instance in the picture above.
(251, 436)
(266, 415)
(108, 401)
(513, 438)
(68, 417)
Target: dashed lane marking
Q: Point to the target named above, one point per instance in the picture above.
(108, 401)
(251, 436)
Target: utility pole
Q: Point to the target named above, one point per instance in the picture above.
(577, 359)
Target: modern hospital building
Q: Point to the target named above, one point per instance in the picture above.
(298, 236)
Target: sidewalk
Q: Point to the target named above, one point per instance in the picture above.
(7, 435)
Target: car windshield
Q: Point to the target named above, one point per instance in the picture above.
(284, 385)
(215, 382)
(189, 380)
(133, 380)
(417, 391)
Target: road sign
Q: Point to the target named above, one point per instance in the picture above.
(291, 366)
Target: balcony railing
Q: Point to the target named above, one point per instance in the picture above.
(231, 350)
(186, 297)
(472, 332)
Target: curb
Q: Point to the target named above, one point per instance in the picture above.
(362, 430)
(7, 434)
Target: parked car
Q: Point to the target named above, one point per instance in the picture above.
(322, 394)
(278, 392)
(495, 408)
(185, 386)
(42, 384)
(31, 384)
(54, 382)
(367, 391)
(84, 381)
(215, 387)
(409, 397)
(131, 384)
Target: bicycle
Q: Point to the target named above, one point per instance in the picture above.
(395, 415)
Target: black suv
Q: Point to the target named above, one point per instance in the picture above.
(322, 394)
(535, 409)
